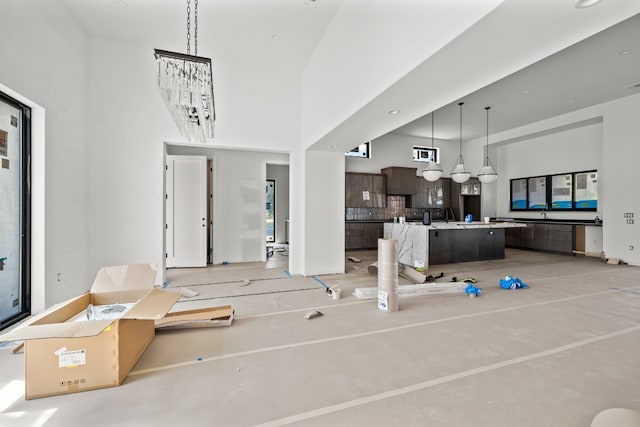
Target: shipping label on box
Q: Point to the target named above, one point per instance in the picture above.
(71, 358)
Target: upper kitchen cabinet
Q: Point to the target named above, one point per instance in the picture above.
(431, 194)
(400, 181)
(365, 190)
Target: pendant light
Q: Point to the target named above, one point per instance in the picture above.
(433, 171)
(459, 174)
(487, 172)
(185, 83)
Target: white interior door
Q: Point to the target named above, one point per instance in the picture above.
(186, 211)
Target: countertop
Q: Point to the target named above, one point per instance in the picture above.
(553, 221)
(461, 225)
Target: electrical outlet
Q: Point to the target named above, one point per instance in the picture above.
(630, 247)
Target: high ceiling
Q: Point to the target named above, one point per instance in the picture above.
(286, 32)
(603, 67)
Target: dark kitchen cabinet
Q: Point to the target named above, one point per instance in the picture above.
(439, 247)
(431, 194)
(354, 235)
(490, 243)
(464, 245)
(365, 190)
(362, 235)
(399, 180)
(561, 238)
(476, 244)
(512, 237)
(372, 232)
(534, 237)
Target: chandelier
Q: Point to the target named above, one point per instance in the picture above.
(186, 86)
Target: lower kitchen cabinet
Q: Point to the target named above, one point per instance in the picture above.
(558, 238)
(561, 238)
(362, 235)
(353, 235)
(439, 247)
(447, 246)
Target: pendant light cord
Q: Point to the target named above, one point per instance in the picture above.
(195, 27)
(432, 129)
(487, 108)
(461, 104)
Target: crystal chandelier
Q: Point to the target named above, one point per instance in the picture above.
(433, 171)
(487, 173)
(459, 173)
(186, 85)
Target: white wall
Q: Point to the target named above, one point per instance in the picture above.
(239, 201)
(44, 61)
(564, 151)
(324, 213)
(620, 155)
(397, 150)
(128, 125)
(280, 173)
(365, 50)
(602, 137)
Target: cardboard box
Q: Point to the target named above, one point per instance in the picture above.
(198, 318)
(64, 356)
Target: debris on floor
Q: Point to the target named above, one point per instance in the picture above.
(412, 290)
(198, 318)
(312, 314)
(473, 291)
(512, 283)
(464, 279)
(353, 259)
(245, 282)
(334, 292)
(188, 293)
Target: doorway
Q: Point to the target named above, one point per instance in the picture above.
(270, 212)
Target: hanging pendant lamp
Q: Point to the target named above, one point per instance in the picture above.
(487, 173)
(433, 171)
(459, 174)
(185, 83)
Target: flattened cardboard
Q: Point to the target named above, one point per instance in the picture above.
(198, 318)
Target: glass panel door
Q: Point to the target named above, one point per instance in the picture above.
(14, 211)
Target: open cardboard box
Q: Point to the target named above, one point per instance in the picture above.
(64, 357)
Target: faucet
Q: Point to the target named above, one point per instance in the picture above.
(544, 215)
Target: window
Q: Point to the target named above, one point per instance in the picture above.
(518, 194)
(537, 192)
(586, 186)
(362, 151)
(576, 191)
(425, 154)
(561, 191)
(15, 211)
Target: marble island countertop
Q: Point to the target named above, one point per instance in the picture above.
(458, 225)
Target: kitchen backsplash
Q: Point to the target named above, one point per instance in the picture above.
(382, 214)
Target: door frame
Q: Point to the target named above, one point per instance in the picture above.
(25, 212)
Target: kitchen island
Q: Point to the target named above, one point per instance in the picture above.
(448, 242)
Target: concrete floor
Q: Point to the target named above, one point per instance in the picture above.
(552, 355)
